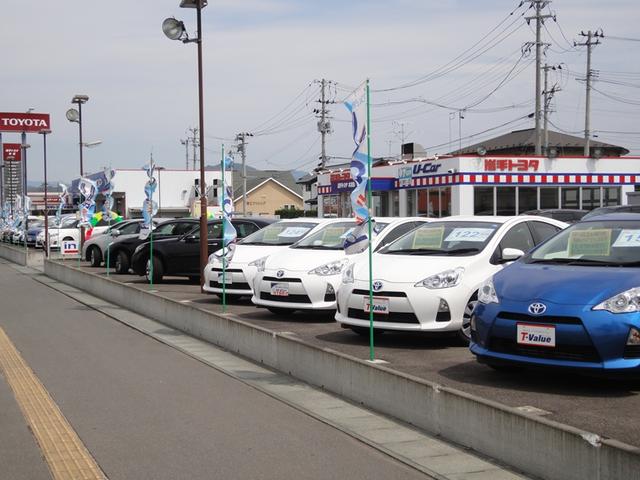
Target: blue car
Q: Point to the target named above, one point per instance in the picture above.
(571, 303)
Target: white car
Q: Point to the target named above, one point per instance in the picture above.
(251, 252)
(428, 280)
(68, 230)
(306, 275)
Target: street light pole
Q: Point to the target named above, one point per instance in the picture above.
(76, 116)
(44, 134)
(175, 30)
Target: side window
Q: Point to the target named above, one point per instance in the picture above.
(244, 229)
(396, 233)
(542, 231)
(183, 227)
(214, 230)
(128, 229)
(165, 229)
(518, 237)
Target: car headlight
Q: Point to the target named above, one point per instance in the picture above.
(331, 268)
(347, 275)
(625, 302)
(259, 263)
(487, 293)
(446, 279)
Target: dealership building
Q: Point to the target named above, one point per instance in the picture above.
(497, 177)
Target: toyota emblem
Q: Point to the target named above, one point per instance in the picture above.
(537, 308)
(377, 286)
(280, 273)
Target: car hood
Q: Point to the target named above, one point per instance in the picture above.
(248, 253)
(302, 259)
(407, 268)
(564, 284)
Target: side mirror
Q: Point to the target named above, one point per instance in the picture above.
(192, 239)
(115, 233)
(510, 254)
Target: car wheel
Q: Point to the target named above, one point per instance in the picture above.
(95, 256)
(465, 331)
(122, 263)
(280, 311)
(157, 271)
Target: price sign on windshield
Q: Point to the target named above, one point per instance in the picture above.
(428, 238)
(469, 234)
(592, 243)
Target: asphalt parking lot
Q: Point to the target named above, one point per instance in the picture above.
(606, 407)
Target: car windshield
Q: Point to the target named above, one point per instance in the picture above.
(604, 243)
(281, 233)
(329, 237)
(444, 238)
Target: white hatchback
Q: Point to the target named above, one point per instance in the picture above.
(251, 252)
(306, 275)
(428, 280)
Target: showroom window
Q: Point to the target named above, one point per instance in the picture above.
(611, 196)
(549, 197)
(527, 199)
(412, 203)
(570, 197)
(445, 201)
(590, 198)
(483, 201)
(506, 200)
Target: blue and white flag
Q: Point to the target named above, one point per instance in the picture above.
(149, 206)
(89, 190)
(62, 202)
(230, 234)
(358, 239)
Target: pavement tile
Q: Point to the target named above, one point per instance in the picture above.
(455, 463)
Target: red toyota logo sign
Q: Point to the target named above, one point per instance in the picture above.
(11, 151)
(24, 122)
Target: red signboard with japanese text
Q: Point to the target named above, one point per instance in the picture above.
(11, 151)
(511, 164)
(24, 122)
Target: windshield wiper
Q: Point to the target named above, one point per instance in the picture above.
(415, 251)
(462, 250)
(318, 247)
(582, 261)
(260, 243)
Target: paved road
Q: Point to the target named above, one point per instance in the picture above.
(146, 411)
(608, 408)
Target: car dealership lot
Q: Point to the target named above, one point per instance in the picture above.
(604, 407)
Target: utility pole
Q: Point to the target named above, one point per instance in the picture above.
(589, 43)
(460, 118)
(185, 142)
(539, 18)
(324, 124)
(195, 144)
(242, 148)
(548, 95)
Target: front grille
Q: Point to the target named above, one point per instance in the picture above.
(227, 270)
(575, 353)
(283, 279)
(235, 286)
(631, 351)
(329, 297)
(443, 317)
(392, 317)
(379, 294)
(288, 299)
(550, 319)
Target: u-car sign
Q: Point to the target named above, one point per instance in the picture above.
(24, 122)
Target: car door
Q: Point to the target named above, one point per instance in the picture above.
(542, 231)
(518, 236)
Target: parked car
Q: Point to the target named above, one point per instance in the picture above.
(306, 275)
(69, 230)
(35, 227)
(572, 303)
(94, 249)
(121, 250)
(428, 280)
(566, 215)
(181, 256)
(251, 252)
(612, 209)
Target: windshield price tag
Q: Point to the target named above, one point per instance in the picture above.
(596, 242)
(293, 232)
(271, 234)
(628, 238)
(428, 237)
(469, 235)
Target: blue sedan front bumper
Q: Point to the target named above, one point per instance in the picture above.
(587, 340)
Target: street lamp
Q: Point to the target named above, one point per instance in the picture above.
(175, 30)
(75, 116)
(44, 133)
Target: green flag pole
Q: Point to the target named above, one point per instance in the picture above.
(371, 348)
(224, 258)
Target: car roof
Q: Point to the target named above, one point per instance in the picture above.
(612, 217)
(303, 220)
(472, 218)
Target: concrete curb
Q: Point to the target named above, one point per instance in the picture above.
(534, 445)
(13, 254)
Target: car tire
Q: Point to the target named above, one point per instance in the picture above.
(158, 271)
(280, 311)
(465, 331)
(95, 256)
(122, 263)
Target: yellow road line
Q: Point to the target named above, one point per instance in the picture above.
(64, 452)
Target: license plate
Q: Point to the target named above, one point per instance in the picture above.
(380, 305)
(280, 289)
(227, 280)
(538, 335)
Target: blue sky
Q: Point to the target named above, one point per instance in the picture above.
(260, 54)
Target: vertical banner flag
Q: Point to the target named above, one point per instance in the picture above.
(230, 235)
(149, 206)
(88, 189)
(62, 202)
(357, 240)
